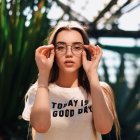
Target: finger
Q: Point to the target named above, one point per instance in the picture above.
(52, 54)
(98, 55)
(45, 52)
(47, 47)
(48, 53)
(40, 49)
(84, 58)
(91, 49)
(93, 57)
(99, 50)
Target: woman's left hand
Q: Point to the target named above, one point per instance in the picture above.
(90, 66)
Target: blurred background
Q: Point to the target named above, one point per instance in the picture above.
(113, 24)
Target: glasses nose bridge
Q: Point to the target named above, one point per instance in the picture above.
(68, 47)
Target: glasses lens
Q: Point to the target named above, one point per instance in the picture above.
(61, 48)
(77, 48)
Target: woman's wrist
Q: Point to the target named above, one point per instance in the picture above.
(43, 80)
(42, 86)
(92, 75)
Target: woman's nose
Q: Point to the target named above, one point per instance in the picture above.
(68, 51)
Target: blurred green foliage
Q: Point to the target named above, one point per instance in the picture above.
(127, 103)
(18, 40)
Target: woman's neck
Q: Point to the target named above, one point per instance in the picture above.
(67, 80)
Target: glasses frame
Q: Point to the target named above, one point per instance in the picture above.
(72, 48)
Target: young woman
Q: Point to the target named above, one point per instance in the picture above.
(68, 101)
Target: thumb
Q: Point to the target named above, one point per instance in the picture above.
(52, 54)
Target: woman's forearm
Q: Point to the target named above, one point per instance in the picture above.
(102, 116)
(40, 114)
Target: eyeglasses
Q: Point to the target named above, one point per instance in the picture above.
(76, 48)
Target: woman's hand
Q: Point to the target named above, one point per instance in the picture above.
(90, 66)
(44, 57)
(40, 116)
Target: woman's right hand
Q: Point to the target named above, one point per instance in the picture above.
(44, 57)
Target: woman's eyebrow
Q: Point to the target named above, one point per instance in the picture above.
(78, 42)
(72, 42)
(61, 42)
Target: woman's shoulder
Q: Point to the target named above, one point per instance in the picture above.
(102, 83)
(32, 89)
(107, 89)
(108, 92)
(105, 85)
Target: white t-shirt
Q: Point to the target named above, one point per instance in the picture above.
(71, 114)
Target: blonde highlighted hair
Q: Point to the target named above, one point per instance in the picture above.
(109, 98)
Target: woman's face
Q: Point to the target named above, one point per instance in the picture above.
(69, 47)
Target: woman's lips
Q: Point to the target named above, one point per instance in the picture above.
(69, 63)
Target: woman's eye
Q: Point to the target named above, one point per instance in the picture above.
(77, 47)
(60, 48)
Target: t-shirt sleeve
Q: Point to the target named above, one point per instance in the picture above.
(29, 101)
